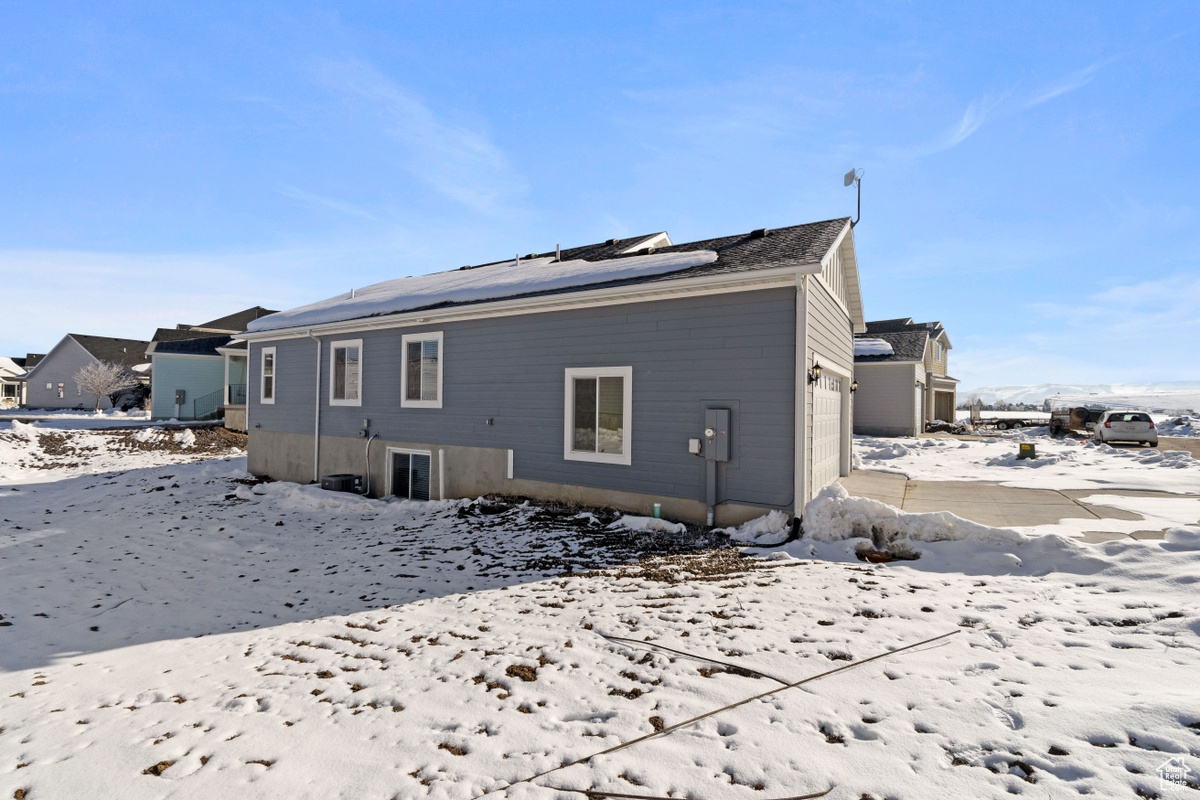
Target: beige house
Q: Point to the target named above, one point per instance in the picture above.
(901, 370)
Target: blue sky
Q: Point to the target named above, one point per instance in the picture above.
(1030, 170)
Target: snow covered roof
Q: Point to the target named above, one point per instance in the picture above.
(581, 268)
(490, 282)
(905, 346)
(872, 347)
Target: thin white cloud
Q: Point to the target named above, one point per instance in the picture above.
(329, 203)
(461, 164)
(1066, 85)
(976, 114)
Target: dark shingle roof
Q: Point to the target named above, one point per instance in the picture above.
(174, 335)
(907, 345)
(205, 346)
(127, 352)
(902, 324)
(236, 323)
(742, 252)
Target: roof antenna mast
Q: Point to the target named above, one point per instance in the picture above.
(855, 176)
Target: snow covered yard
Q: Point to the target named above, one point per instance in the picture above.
(179, 629)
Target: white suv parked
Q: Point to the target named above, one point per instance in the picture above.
(1126, 426)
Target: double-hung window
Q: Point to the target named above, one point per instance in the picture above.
(345, 373)
(267, 393)
(421, 381)
(598, 415)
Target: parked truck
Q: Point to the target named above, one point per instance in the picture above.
(1077, 418)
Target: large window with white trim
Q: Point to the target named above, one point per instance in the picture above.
(267, 387)
(598, 414)
(421, 381)
(345, 373)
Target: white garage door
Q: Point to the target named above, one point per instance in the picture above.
(826, 431)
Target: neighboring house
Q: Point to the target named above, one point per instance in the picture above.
(51, 383)
(12, 377)
(193, 367)
(586, 375)
(900, 367)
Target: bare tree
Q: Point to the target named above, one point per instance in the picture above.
(103, 379)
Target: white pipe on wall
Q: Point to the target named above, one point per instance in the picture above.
(317, 419)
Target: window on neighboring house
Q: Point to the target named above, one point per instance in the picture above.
(60, 390)
(10, 390)
(421, 382)
(599, 410)
(938, 351)
(345, 379)
(267, 393)
(410, 473)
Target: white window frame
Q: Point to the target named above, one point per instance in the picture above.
(333, 348)
(262, 376)
(392, 452)
(421, 337)
(625, 457)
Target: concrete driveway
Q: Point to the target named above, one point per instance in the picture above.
(991, 504)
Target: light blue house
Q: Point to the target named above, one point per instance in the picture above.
(199, 371)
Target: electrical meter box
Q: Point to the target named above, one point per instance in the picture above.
(716, 434)
(180, 397)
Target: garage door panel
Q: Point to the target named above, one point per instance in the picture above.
(826, 431)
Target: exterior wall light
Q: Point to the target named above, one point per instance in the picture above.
(814, 374)
(853, 387)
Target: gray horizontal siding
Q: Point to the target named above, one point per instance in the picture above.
(61, 366)
(683, 352)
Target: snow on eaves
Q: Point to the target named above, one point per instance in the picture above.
(492, 282)
(873, 347)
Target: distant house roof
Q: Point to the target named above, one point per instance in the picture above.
(234, 323)
(127, 352)
(610, 264)
(907, 338)
(174, 334)
(205, 346)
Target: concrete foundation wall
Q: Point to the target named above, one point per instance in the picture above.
(458, 472)
(235, 418)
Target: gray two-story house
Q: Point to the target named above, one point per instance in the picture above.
(903, 382)
(711, 377)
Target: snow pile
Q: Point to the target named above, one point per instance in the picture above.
(833, 515)
(492, 282)
(1187, 538)
(648, 525)
(873, 347)
(26, 430)
(885, 450)
(769, 528)
(1042, 460)
(1183, 425)
(185, 438)
(146, 435)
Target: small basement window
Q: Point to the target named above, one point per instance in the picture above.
(345, 375)
(598, 415)
(409, 476)
(421, 381)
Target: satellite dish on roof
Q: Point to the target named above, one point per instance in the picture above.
(854, 176)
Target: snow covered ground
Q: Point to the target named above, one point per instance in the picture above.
(179, 629)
